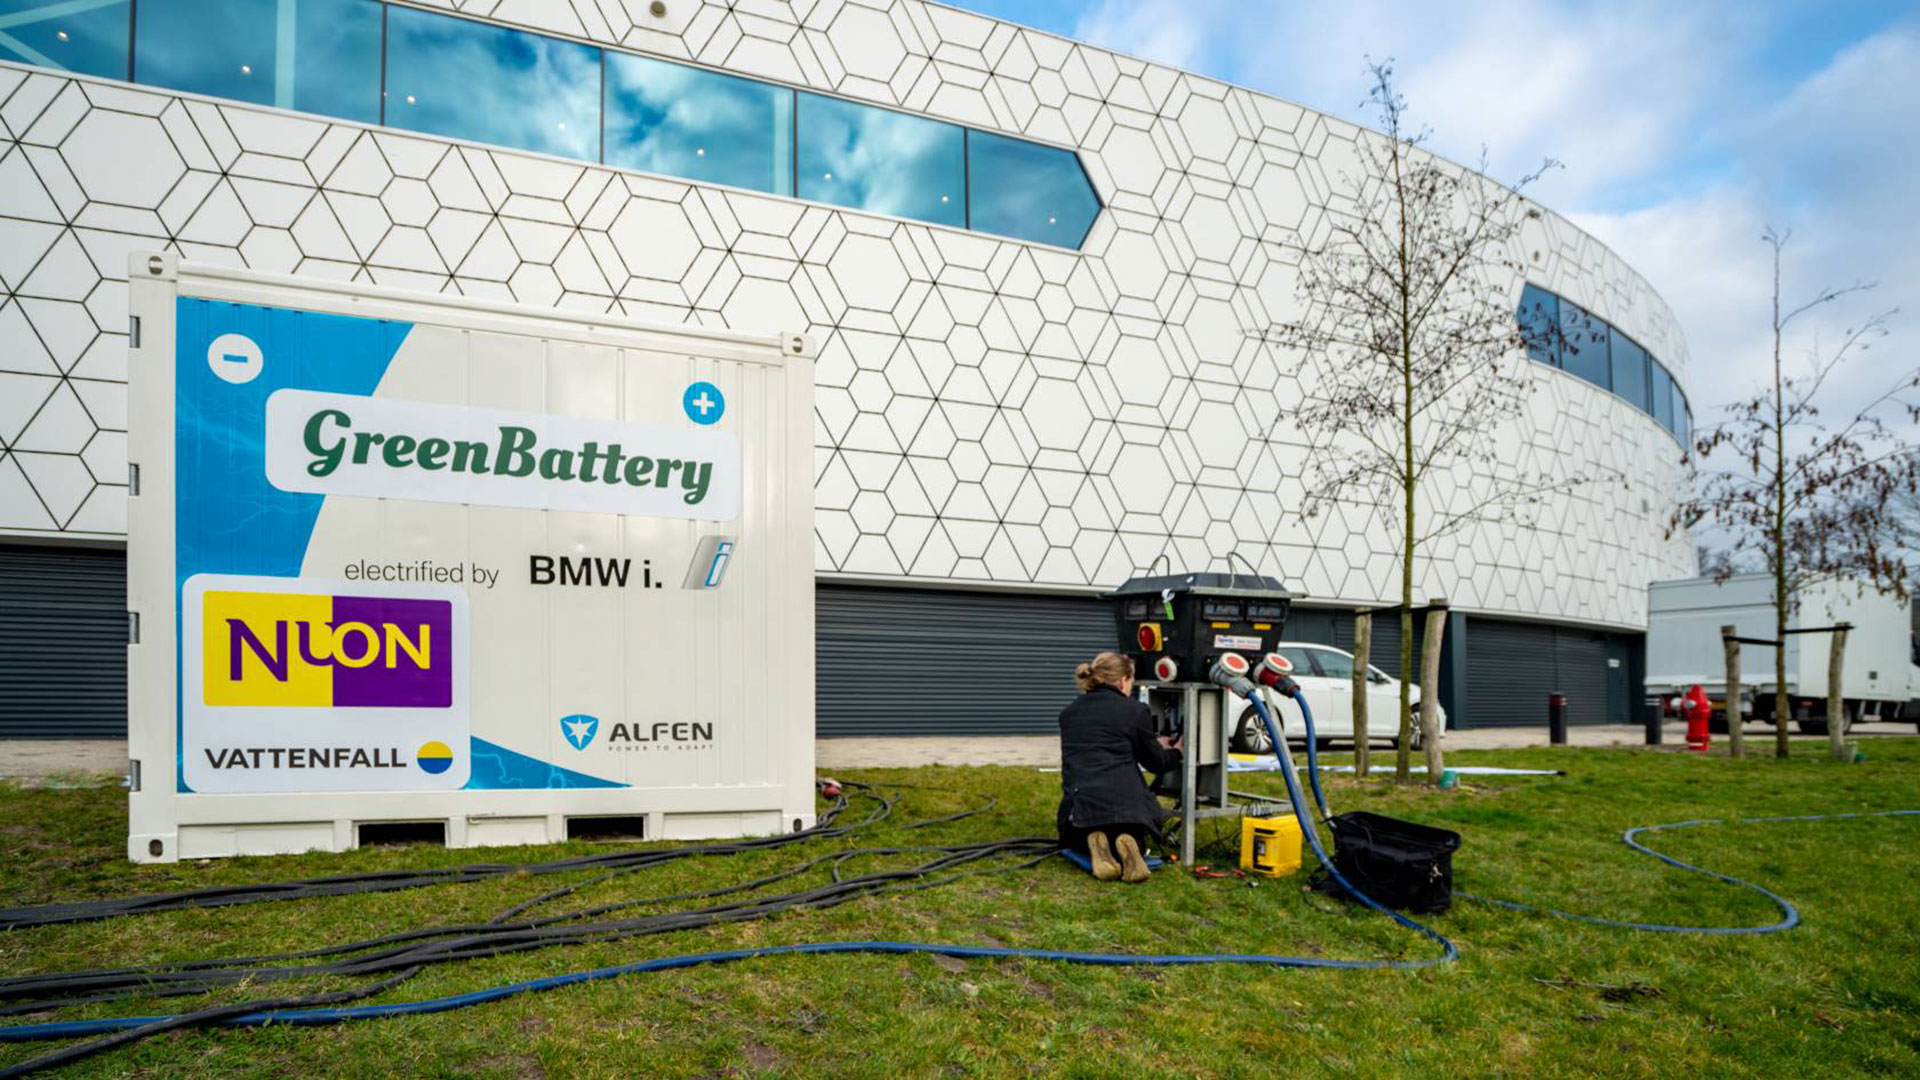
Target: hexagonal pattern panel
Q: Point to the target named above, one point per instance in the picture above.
(986, 410)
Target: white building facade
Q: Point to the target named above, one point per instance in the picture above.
(1037, 272)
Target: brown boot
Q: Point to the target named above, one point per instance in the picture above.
(1104, 868)
(1133, 864)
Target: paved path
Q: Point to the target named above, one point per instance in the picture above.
(38, 758)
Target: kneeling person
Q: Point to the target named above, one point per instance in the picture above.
(1106, 736)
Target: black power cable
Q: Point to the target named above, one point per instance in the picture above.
(950, 864)
(401, 955)
(394, 880)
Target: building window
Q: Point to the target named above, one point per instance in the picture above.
(1028, 191)
(470, 80)
(881, 161)
(441, 74)
(701, 125)
(1585, 345)
(1559, 332)
(88, 38)
(1662, 397)
(318, 56)
(1630, 371)
(1540, 324)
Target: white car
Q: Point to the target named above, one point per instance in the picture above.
(1325, 675)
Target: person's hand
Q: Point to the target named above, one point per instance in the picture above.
(1168, 742)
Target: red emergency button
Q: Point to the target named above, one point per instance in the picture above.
(1151, 639)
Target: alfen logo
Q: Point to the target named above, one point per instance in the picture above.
(579, 729)
(304, 649)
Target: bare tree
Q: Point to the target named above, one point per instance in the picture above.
(1808, 498)
(1410, 327)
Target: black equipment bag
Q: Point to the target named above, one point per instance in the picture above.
(1398, 863)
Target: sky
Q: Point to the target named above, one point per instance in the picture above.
(1685, 130)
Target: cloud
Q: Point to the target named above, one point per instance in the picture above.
(1167, 33)
(1683, 133)
(1837, 161)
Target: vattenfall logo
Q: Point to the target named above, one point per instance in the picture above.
(307, 649)
(339, 444)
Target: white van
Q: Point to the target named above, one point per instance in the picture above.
(1325, 675)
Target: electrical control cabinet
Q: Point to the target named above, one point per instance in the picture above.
(1176, 625)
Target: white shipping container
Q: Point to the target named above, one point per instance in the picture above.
(403, 558)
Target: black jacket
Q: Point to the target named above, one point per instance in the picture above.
(1105, 737)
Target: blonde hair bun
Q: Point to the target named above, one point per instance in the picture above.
(1107, 669)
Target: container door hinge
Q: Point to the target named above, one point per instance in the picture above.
(133, 480)
(133, 774)
(133, 628)
(133, 331)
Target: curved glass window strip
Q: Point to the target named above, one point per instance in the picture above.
(1540, 324)
(1630, 371)
(317, 56)
(85, 36)
(442, 74)
(697, 124)
(1663, 397)
(885, 162)
(472, 80)
(1586, 345)
(1028, 191)
(1559, 332)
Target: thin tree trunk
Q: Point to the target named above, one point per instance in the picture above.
(1781, 710)
(1836, 696)
(1362, 645)
(1403, 754)
(1781, 599)
(1430, 689)
(1736, 739)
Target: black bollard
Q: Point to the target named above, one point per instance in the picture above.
(1557, 719)
(1654, 722)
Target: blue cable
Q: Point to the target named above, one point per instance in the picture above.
(75, 1028)
(1312, 834)
(1313, 747)
(303, 1017)
(1789, 915)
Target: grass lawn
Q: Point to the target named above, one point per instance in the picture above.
(1531, 996)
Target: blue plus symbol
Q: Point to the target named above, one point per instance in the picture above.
(704, 403)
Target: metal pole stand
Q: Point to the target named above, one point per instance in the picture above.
(1207, 714)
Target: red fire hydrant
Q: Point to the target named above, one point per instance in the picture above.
(1697, 709)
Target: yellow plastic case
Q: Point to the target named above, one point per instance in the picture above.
(1270, 846)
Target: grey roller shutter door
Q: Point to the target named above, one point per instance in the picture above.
(1512, 667)
(1580, 660)
(63, 643)
(1510, 672)
(1383, 651)
(1317, 625)
(931, 662)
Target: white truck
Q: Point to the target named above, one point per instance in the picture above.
(1684, 648)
